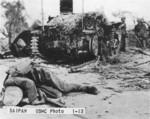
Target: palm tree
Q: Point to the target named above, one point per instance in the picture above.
(15, 19)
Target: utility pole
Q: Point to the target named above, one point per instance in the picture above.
(42, 12)
(82, 14)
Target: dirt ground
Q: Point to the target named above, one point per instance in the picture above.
(124, 89)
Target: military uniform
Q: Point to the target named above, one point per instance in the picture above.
(123, 35)
(102, 47)
(141, 34)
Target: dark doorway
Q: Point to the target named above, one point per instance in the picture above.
(66, 6)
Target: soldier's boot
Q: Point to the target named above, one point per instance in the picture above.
(90, 89)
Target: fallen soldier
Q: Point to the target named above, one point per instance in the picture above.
(39, 83)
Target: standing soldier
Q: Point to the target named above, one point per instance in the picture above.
(122, 27)
(100, 33)
(141, 33)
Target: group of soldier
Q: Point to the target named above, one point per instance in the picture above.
(141, 31)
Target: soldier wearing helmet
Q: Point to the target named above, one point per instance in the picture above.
(123, 34)
(102, 51)
(141, 33)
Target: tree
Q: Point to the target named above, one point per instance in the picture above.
(15, 19)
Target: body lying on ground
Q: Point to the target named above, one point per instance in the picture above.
(39, 82)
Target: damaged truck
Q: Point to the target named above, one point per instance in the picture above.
(72, 36)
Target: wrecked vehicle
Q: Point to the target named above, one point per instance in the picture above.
(72, 36)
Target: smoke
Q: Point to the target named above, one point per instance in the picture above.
(120, 14)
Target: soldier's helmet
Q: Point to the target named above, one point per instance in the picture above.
(123, 18)
(99, 20)
(13, 96)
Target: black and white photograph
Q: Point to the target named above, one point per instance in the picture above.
(74, 59)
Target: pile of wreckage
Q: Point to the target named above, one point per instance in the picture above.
(71, 35)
